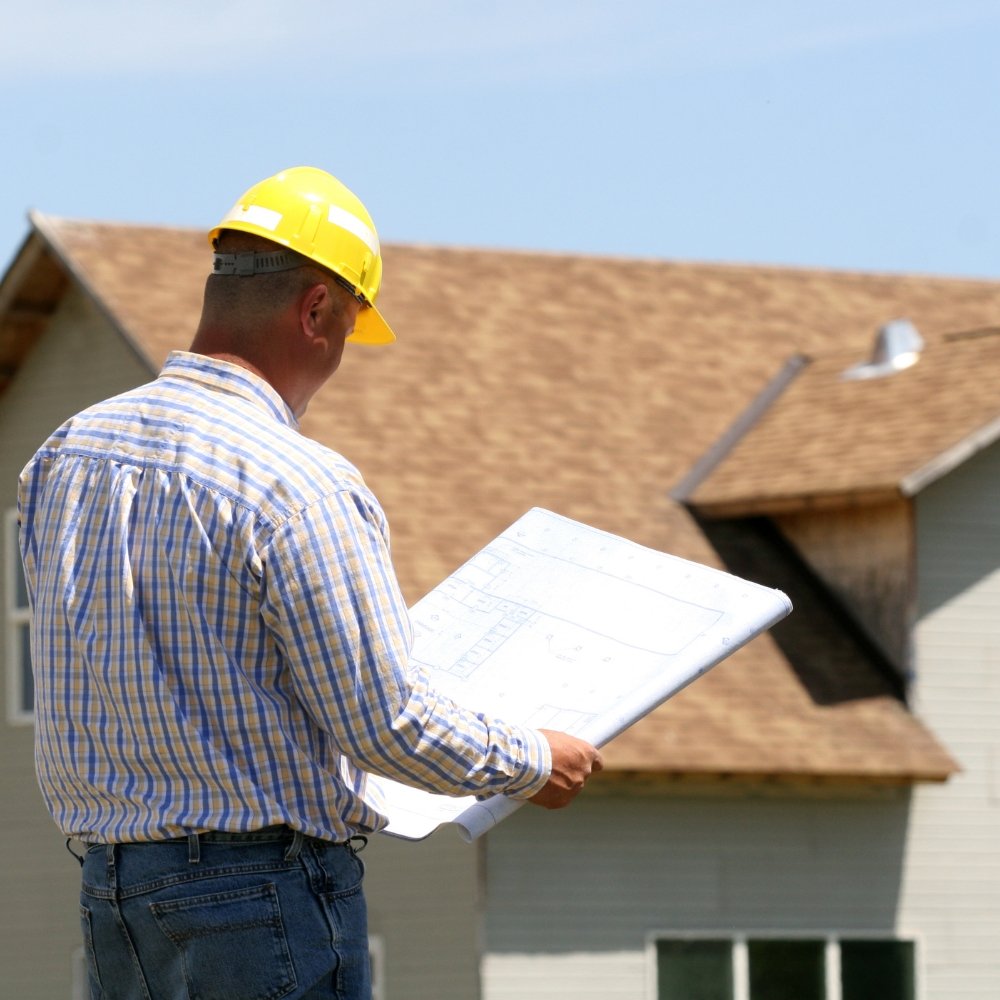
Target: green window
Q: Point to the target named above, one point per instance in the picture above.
(780, 970)
(801, 967)
(877, 970)
(694, 970)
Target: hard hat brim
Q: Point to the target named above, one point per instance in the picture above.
(371, 328)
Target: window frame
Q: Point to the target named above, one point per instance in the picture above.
(376, 952)
(739, 951)
(16, 617)
(80, 975)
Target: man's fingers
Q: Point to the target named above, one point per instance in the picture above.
(573, 762)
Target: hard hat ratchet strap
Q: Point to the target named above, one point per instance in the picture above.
(248, 262)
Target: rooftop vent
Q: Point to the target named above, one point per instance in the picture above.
(897, 346)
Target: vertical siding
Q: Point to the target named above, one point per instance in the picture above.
(952, 884)
(865, 555)
(574, 897)
(77, 361)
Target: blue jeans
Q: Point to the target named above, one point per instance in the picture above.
(259, 916)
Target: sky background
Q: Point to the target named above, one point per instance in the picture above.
(851, 135)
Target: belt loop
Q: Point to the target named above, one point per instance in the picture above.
(109, 861)
(194, 848)
(295, 847)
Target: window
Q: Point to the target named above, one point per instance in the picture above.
(785, 967)
(877, 969)
(20, 684)
(376, 950)
(80, 986)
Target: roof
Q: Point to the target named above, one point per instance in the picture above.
(589, 386)
(829, 439)
(806, 680)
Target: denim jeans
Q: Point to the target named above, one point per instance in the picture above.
(258, 916)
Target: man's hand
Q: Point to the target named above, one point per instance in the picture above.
(573, 762)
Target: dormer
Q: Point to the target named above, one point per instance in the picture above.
(836, 452)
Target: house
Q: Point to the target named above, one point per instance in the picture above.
(821, 810)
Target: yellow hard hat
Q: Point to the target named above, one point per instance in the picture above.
(309, 211)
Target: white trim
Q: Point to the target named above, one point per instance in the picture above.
(831, 969)
(16, 617)
(950, 459)
(376, 950)
(741, 968)
(80, 975)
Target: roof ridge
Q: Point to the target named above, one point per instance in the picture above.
(733, 266)
(740, 427)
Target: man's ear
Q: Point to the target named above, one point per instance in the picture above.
(311, 305)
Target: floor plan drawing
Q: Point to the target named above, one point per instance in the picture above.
(559, 625)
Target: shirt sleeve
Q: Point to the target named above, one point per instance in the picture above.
(333, 602)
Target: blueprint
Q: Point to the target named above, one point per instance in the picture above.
(558, 625)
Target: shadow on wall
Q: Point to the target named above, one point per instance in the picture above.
(610, 871)
(831, 654)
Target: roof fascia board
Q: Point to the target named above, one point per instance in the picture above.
(775, 779)
(773, 506)
(44, 226)
(24, 260)
(743, 424)
(951, 459)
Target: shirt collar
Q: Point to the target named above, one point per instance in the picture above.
(227, 377)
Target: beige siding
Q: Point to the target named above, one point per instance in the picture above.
(952, 885)
(422, 901)
(570, 915)
(78, 361)
(605, 876)
(865, 555)
(582, 975)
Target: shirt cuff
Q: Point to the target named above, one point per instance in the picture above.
(536, 763)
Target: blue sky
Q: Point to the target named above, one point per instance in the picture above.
(847, 134)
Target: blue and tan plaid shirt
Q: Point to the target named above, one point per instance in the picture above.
(219, 641)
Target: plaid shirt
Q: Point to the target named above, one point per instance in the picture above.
(219, 641)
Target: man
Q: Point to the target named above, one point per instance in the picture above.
(220, 646)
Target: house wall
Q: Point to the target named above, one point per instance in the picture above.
(865, 556)
(570, 915)
(570, 899)
(77, 361)
(423, 903)
(575, 897)
(952, 873)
